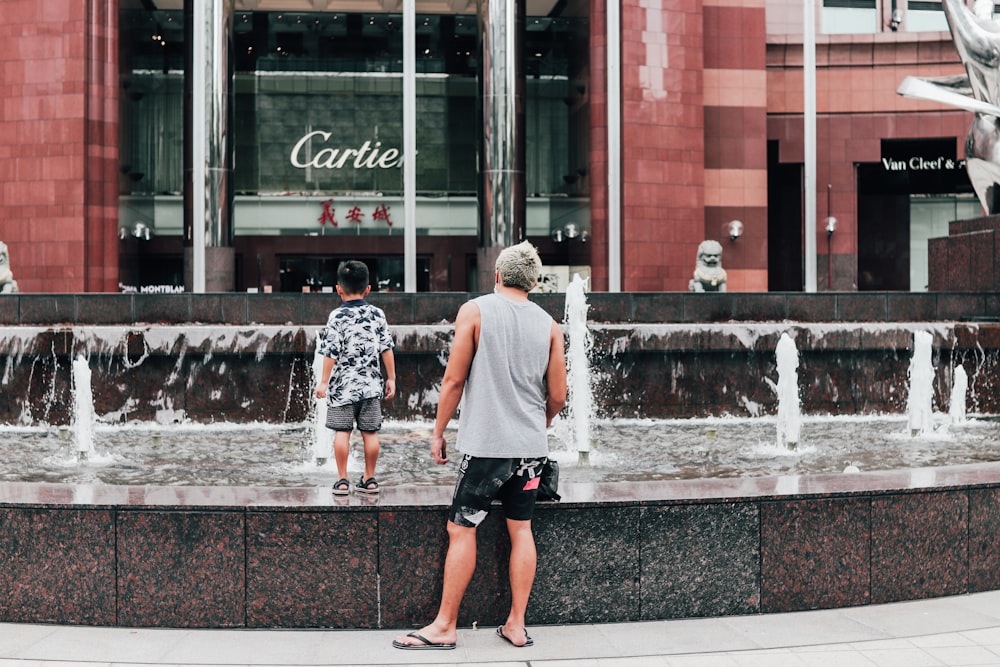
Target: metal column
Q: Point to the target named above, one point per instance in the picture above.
(209, 259)
(502, 206)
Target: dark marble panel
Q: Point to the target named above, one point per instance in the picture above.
(282, 308)
(103, 308)
(982, 262)
(58, 566)
(398, 307)
(815, 554)
(411, 577)
(700, 560)
(760, 307)
(47, 308)
(812, 307)
(181, 569)
(9, 309)
(588, 565)
(862, 307)
(315, 309)
(609, 307)
(912, 307)
(937, 264)
(438, 307)
(309, 569)
(957, 271)
(162, 308)
(919, 546)
(705, 307)
(984, 540)
(220, 309)
(992, 308)
(657, 308)
(960, 305)
(554, 305)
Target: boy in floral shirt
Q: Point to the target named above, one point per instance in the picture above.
(356, 337)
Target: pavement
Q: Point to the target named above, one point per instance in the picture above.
(952, 631)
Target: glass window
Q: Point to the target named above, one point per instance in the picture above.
(314, 273)
(318, 121)
(925, 16)
(850, 17)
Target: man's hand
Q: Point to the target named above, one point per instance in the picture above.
(439, 451)
(321, 390)
(390, 388)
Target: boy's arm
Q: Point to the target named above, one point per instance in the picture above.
(324, 381)
(389, 361)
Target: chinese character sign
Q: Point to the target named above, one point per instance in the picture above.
(355, 214)
(328, 213)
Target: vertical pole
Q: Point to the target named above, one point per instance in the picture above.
(502, 205)
(409, 147)
(614, 147)
(809, 138)
(199, 119)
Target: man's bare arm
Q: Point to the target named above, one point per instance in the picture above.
(555, 375)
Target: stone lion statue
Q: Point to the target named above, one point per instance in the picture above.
(7, 283)
(709, 276)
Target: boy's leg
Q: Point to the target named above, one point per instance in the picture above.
(341, 450)
(369, 417)
(372, 446)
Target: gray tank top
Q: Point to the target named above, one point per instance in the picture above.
(502, 414)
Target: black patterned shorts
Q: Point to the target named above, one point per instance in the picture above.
(367, 413)
(514, 482)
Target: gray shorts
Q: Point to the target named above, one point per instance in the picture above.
(366, 413)
(514, 482)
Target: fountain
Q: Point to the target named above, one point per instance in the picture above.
(322, 437)
(919, 403)
(83, 409)
(789, 419)
(255, 539)
(960, 385)
(580, 398)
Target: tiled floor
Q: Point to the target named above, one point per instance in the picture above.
(954, 631)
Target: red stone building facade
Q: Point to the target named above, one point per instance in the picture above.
(711, 126)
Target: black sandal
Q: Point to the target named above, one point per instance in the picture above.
(342, 487)
(367, 485)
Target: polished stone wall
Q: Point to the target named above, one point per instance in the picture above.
(232, 557)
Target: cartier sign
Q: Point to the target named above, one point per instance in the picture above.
(368, 156)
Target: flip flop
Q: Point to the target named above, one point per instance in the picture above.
(528, 640)
(424, 645)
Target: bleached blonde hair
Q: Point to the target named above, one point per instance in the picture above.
(519, 266)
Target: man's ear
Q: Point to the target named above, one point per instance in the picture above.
(367, 290)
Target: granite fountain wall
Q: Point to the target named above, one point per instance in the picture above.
(260, 557)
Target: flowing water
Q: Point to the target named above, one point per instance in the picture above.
(623, 450)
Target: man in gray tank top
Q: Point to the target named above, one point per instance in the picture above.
(507, 371)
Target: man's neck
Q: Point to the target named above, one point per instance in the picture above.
(511, 293)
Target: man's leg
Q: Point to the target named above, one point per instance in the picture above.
(459, 565)
(523, 562)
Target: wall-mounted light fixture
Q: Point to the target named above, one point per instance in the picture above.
(735, 229)
(831, 225)
(570, 231)
(141, 230)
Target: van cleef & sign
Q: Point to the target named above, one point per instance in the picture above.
(368, 156)
(922, 164)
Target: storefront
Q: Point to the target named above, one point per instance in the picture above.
(317, 134)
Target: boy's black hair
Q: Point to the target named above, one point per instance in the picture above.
(352, 276)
